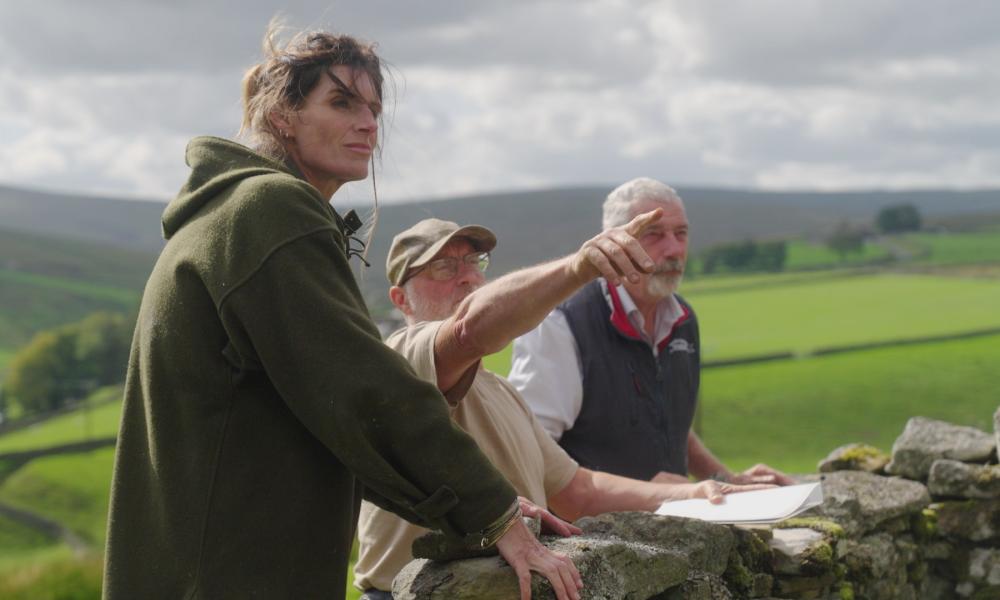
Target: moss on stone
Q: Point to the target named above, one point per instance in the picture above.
(861, 452)
(924, 524)
(737, 576)
(895, 525)
(755, 551)
(987, 475)
(846, 591)
(917, 572)
(987, 593)
(824, 526)
(818, 558)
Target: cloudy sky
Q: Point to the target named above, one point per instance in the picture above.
(101, 96)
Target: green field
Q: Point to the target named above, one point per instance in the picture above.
(792, 413)
(720, 284)
(949, 249)
(32, 303)
(98, 418)
(801, 318)
(70, 489)
(809, 255)
(760, 314)
(74, 260)
(46, 282)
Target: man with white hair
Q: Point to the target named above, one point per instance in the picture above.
(612, 374)
(437, 273)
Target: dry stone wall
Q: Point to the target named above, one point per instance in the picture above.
(923, 523)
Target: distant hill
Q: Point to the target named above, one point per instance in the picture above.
(48, 281)
(123, 223)
(532, 226)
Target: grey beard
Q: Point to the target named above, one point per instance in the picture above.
(661, 285)
(662, 282)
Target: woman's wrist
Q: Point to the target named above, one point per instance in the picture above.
(493, 532)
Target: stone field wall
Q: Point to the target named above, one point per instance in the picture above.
(923, 523)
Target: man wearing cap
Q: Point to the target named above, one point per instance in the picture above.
(613, 373)
(453, 320)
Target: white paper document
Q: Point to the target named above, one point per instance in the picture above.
(762, 506)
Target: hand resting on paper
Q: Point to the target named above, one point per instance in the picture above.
(715, 491)
(761, 473)
(711, 489)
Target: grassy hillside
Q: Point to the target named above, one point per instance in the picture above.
(951, 249)
(836, 312)
(812, 255)
(74, 260)
(792, 413)
(760, 314)
(97, 418)
(121, 223)
(71, 489)
(45, 282)
(532, 226)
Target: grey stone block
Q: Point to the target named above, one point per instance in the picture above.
(952, 478)
(973, 520)
(925, 440)
(706, 545)
(860, 502)
(984, 566)
(611, 570)
(698, 586)
(800, 552)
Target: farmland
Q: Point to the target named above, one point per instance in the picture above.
(835, 312)
(789, 413)
(46, 282)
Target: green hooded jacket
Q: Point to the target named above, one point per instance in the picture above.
(258, 390)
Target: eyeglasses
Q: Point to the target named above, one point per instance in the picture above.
(443, 269)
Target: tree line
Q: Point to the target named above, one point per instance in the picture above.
(751, 256)
(62, 365)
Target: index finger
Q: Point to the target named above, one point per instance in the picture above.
(640, 222)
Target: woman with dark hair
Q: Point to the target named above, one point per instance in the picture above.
(260, 403)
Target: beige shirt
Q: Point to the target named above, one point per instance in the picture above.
(495, 415)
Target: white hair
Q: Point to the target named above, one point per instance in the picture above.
(618, 204)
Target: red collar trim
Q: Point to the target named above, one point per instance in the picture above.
(620, 320)
(618, 317)
(684, 317)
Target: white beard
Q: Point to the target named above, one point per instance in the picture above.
(429, 310)
(665, 280)
(662, 285)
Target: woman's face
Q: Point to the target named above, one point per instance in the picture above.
(332, 136)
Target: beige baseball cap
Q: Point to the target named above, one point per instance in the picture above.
(419, 244)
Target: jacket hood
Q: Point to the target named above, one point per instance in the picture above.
(216, 164)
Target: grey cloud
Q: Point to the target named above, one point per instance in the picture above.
(123, 35)
(524, 94)
(807, 42)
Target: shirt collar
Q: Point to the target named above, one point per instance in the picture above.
(627, 319)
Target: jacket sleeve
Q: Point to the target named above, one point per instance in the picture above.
(301, 316)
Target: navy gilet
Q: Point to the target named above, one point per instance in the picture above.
(637, 409)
